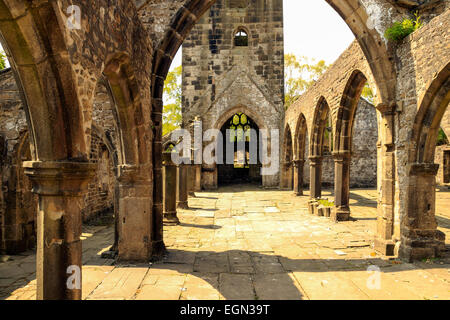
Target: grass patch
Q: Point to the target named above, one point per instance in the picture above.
(326, 203)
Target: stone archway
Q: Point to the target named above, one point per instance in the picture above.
(300, 150)
(287, 170)
(367, 20)
(342, 149)
(240, 159)
(133, 171)
(419, 235)
(258, 124)
(320, 120)
(19, 230)
(59, 147)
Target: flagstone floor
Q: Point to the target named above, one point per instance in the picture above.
(248, 243)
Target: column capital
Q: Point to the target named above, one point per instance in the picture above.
(287, 163)
(53, 178)
(341, 155)
(386, 109)
(298, 163)
(423, 169)
(315, 159)
(167, 159)
(132, 174)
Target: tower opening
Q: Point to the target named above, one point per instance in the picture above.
(241, 137)
(241, 38)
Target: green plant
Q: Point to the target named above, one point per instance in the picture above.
(401, 29)
(442, 138)
(326, 203)
(2, 60)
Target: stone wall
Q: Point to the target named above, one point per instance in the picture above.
(363, 167)
(420, 58)
(19, 204)
(220, 79)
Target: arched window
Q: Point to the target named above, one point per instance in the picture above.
(241, 38)
(240, 126)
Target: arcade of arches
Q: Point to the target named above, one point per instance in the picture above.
(88, 103)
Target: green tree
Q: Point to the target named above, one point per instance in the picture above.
(300, 74)
(368, 93)
(2, 60)
(172, 101)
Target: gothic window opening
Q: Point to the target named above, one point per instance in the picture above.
(241, 38)
(239, 131)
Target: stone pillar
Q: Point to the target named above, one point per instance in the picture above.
(197, 177)
(420, 238)
(341, 210)
(182, 186)
(60, 186)
(158, 248)
(197, 152)
(298, 176)
(384, 241)
(169, 190)
(316, 176)
(191, 180)
(135, 226)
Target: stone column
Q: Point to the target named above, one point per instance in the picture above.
(316, 176)
(197, 152)
(420, 238)
(60, 186)
(182, 186)
(191, 180)
(384, 241)
(169, 190)
(341, 210)
(298, 176)
(158, 248)
(136, 230)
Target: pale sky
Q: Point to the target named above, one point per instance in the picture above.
(312, 28)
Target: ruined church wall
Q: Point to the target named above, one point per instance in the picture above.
(363, 166)
(419, 58)
(19, 204)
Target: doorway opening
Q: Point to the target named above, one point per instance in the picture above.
(240, 134)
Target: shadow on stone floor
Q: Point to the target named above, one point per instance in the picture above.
(247, 275)
(208, 198)
(201, 226)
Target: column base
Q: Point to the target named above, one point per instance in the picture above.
(312, 206)
(430, 244)
(171, 219)
(385, 247)
(340, 214)
(324, 211)
(182, 205)
(158, 250)
(298, 193)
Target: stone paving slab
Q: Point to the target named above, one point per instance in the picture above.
(248, 243)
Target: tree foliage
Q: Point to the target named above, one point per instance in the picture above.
(300, 74)
(368, 93)
(172, 101)
(2, 60)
